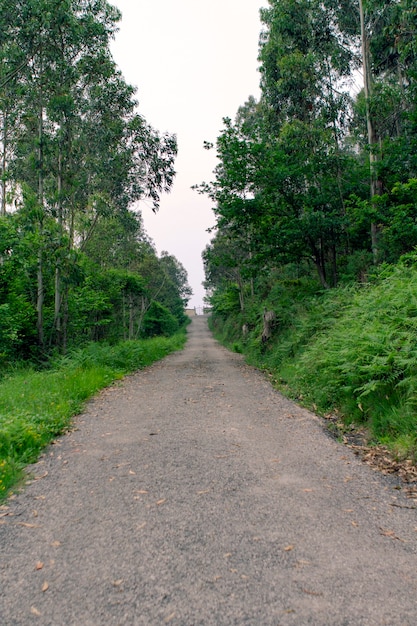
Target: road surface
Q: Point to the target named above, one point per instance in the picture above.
(192, 493)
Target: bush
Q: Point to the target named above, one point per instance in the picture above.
(158, 320)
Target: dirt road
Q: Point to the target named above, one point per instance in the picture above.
(194, 494)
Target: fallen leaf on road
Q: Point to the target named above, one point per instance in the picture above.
(169, 618)
(355, 524)
(389, 533)
(141, 491)
(39, 565)
(45, 586)
(200, 493)
(117, 583)
(132, 472)
(26, 525)
(35, 611)
(41, 476)
(288, 548)
(311, 593)
(161, 501)
(308, 490)
(55, 544)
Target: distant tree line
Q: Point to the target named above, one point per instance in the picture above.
(75, 157)
(318, 177)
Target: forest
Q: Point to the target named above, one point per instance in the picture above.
(311, 270)
(77, 159)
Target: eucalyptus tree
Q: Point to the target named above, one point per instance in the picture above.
(280, 175)
(72, 142)
(386, 104)
(224, 261)
(50, 40)
(178, 276)
(305, 62)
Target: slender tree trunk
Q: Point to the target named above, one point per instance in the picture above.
(58, 270)
(40, 283)
(144, 308)
(374, 156)
(65, 316)
(131, 316)
(318, 260)
(333, 252)
(124, 315)
(241, 296)
(4, 165)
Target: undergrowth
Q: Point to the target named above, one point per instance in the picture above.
(352, 350)
(36, 406)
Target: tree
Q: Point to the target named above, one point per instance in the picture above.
(74, 149)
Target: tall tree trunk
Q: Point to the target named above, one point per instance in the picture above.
(40, 283)
(241, 291)
(318, 260)
(4, 165)
(131, 317)
(144, 308)
(374, 155)
(58, 271)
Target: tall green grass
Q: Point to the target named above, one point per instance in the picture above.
(35, 407)
(352, 349)
(366, 363)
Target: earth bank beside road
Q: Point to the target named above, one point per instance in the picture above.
(193, 493)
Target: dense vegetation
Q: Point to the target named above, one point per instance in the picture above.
(76, 157)
(84, 297)
(311, 269)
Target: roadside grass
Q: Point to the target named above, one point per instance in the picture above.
(36, 407)
(351, 351)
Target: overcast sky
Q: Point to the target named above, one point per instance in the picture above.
(193, 62)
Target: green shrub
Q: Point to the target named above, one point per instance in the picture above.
(158, 320)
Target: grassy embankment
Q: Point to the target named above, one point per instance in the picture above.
(36, 406)
(351, 350)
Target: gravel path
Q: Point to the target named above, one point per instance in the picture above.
(194, 494)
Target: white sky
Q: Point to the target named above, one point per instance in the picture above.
(193, 62)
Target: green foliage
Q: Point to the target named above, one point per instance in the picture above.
(35, 407)
(76, 156)
(159, 321)
(352, 349)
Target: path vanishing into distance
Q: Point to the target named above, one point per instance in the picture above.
(192, 493)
